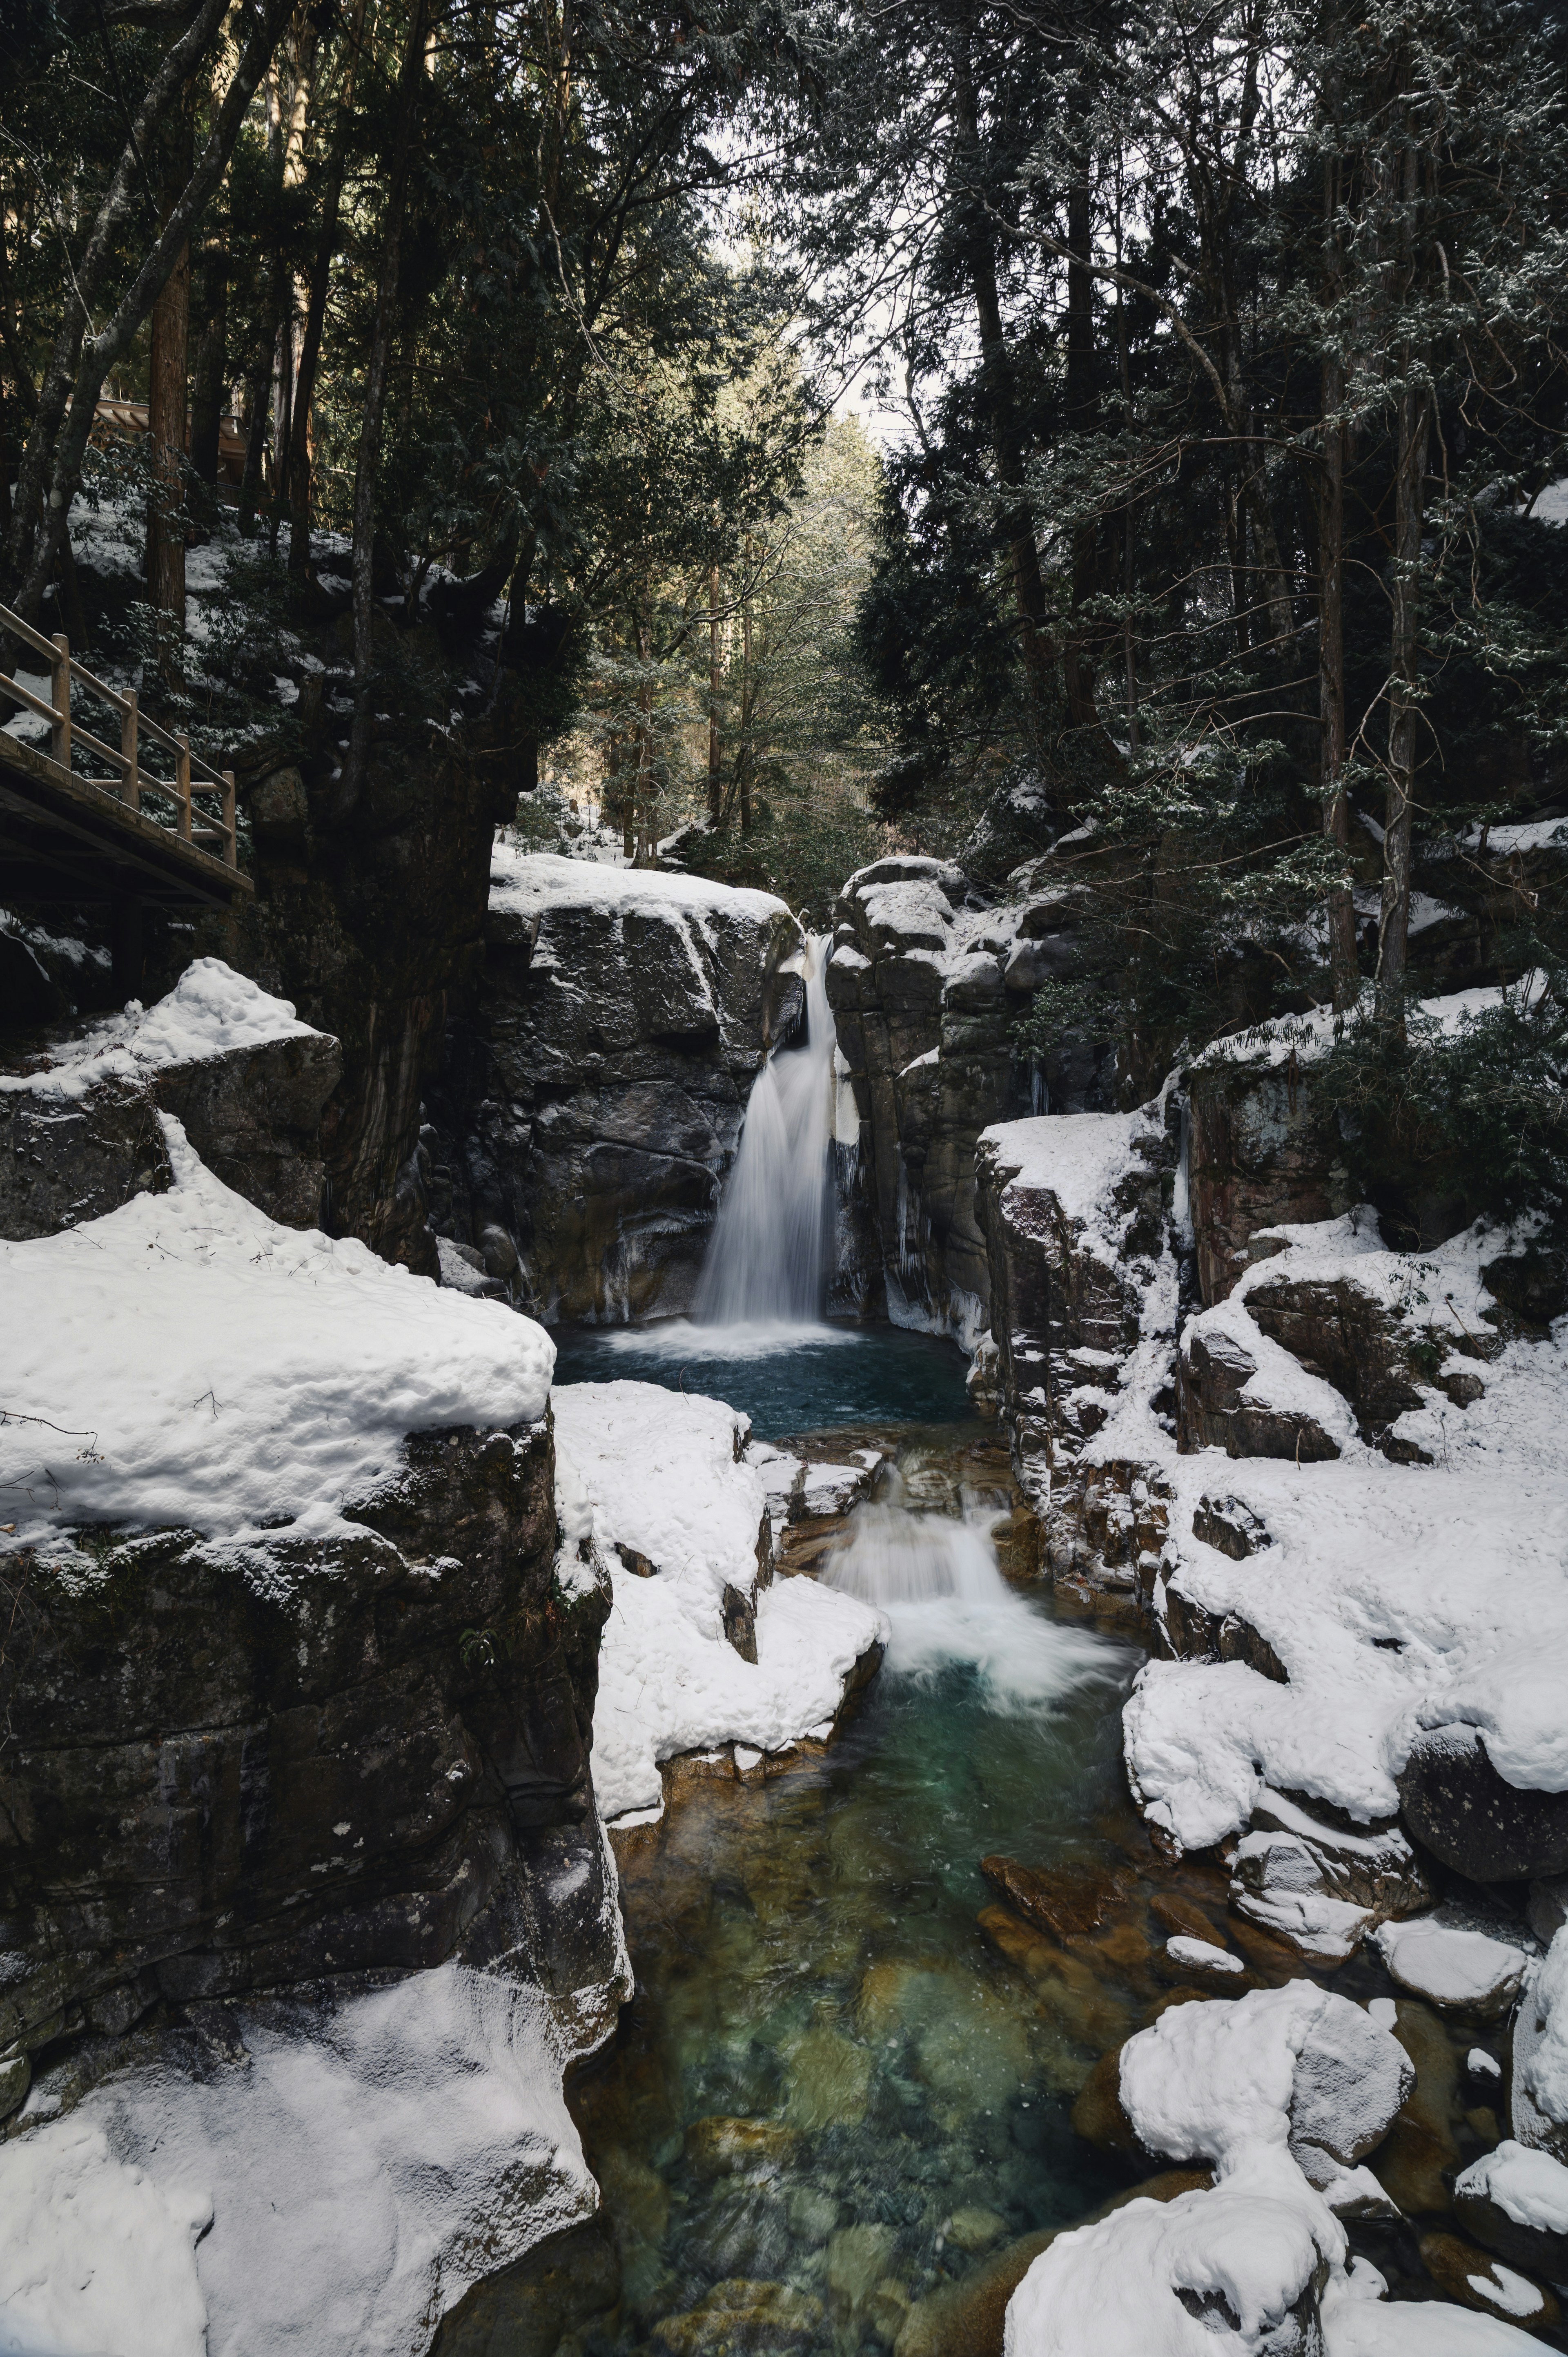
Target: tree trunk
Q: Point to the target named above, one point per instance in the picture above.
(167, 365)
(1082, 417)
(1344, 970)
(1414, 412)
(299, 450)
(368, 464)
(211, 357)
(716, 767)
(743, 764)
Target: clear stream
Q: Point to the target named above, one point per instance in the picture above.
(832, 2095)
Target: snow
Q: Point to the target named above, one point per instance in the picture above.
(661, 1470)
(1531, 2188)
(186, 1361)
(669, 1477)
(1078, 1157)
(362, 2167)
(1482, 2065)
(1358, 2323)
(210, 1011)
(1183, 1950)
(94, 2255)
(1304, 1037)
(1454, 1567)
(532, 883)
(1450, 1965)
(1242, 2083)
(668, 1683)
(1541, 2049)
(1500, 2285)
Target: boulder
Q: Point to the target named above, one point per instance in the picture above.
(1453, 1964)
(66, 1159)
(1457, 1806)
(1221, 1403)
(1259, 1156)
(1515, 2199)
(1474, 2279)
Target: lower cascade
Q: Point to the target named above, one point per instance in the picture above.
(767, 1263)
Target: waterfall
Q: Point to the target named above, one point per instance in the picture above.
(937, 1579)
(766, 1264)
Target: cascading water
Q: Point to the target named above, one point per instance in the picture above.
(937, 1579)
(768, 1262)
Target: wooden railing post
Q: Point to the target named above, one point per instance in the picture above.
(131, 783)
(231, 849)
(182, 783)
(59, 696)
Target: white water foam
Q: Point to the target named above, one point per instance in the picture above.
(678, 1337)
(938, 1581)
(767, 1265)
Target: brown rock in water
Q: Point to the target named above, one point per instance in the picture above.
(967, 2318)
(1183, 1916)
(1097, 2115)
(718, 2146)
(1067, 1903)
(1461, 2272)
(1273, 1959)
(737, 2317)
(1419, 2156)
(524, 2310)
(1089, 2010)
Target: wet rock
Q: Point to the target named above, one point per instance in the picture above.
(1477, 2280)
(1417, 2158)
(719, 2147)
(812, 2215)
(1184, 1916)
(969, 2319)
(1515, 2199)
(529, 2308)
(737, 2317)
(830, 2080)
(1457, 1806)
(857, 2262)
(1069, 1904)
(15, 2078)
(1206, 1964)
(1074, 1986)
(1099, 2117)
(974, 2229)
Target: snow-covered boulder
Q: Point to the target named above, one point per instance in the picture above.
(1282, 2090)
(245, 1077)
(1453, 1964)
(1515, 2199)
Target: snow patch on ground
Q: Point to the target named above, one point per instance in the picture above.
(186, 1361)
(210, 1011)
(530, 883)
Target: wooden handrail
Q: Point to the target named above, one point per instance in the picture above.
(192, 775)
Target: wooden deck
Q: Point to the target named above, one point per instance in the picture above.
(78, 839)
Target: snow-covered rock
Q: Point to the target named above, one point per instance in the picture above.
(1539, 2096)
(1256, 2086)
(1515, 2199)
(1453, 1964)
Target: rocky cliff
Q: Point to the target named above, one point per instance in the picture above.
(591, 1097)
(926, 982)
(297, 1821)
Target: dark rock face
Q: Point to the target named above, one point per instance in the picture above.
(1216, 1411)
(373, 925)
(590, 1105)
(924, 992)
(254, 1116)
(66, 1159)
(528, 2308)
(1458, 1807)
(229, 1769)
(1260, 1157)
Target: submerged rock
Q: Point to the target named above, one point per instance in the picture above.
(738, 2318)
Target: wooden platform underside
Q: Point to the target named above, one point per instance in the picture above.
(63, 838)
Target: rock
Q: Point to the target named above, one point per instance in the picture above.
(254, 1116)
(1453, 1964)
(279, 810)
(1018, 824)
(719, 2147)
(237, 1770)
(974, 2229)
(968, 2319)
(1210, 1966)
(1351, 2080)
(1226, 1524)
(812, 2215)
(594, 1085)
(1184, 1916)
(67, 1160)
(1415, 2163)
(1067, 1903)
(1318, 1886)
(15, 2078)
(1259, 1156)
(1098, 2114)
(830, 2080)
(29, 996)
(1548, 1908)
(1515, 2199)
(1219, 1405)
(1475, 2279)
(528, 2308)
(736, 2317)
(1455, 1804)
(1538, 2095)
(857, 2262)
